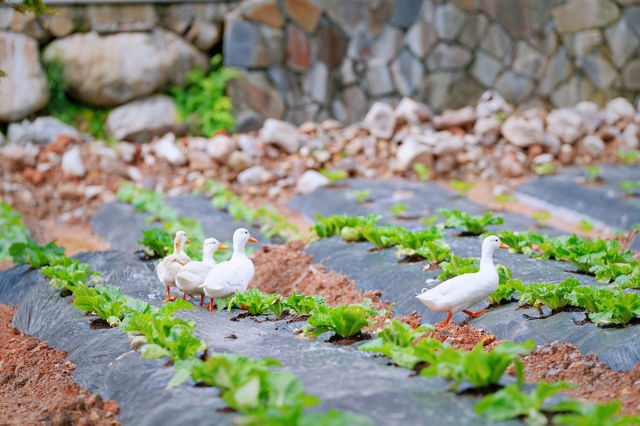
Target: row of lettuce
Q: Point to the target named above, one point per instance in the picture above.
(249, 386)
(606, 260)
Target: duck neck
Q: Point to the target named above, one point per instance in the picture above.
(177, 247)
(207, 257)
(486, 261)
(238, 250)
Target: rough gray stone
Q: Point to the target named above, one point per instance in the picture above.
(141, 120)
(619, 109)
(346, 73)
(622, 42)
(421, 36)
(485, 68)
(593, 145)
(573, 91)
(351, 106)
(632, 16)
(378, 81)
(581, 43)
(42, 131)
(387, 45)
(350, 15)
(631, 75)
(496, 41)
(599, 70)
(252, 90)
(577, 15)
(249, 45)
(310, 181)
(24, 89)
(204, 35)
(380, 120)
(106, 70)
(510, 14)
(407, 73)
(435, 89)
(473, 30)
(522, 131)
(447, 56)
(405, 12)
(566, 124)
(449, 21)
(121, 18)
(71, 163)
(528, 61)
(316, 82)
(514, 87)
(558, 69)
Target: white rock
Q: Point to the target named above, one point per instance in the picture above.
(566, 123)
(220, 147)
(254, 175)
(43, 130)
(14, 157)
(135, 174)
(24, 89)
(166, 148)
(523, 132)
(593, 145)
(250, 145)
(447, 143)
(127, 151)
(310, 181)
(454, 118)
(542, 159)
(491, 103)
(92, 191)
(630, 136)
(72, 163)
(487, 130)
(380, 120)
(282, 135)
(412, 112)
(239, 161)
(551, 143)
(142, 119)
(411, 151)
(619, 109)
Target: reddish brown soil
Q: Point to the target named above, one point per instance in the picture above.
(595, 381)
(284, 268)
(36, 385)
(463, 336)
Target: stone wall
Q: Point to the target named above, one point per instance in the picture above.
(311, 59)
(112, 52)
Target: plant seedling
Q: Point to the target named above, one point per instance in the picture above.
(544, 168)
(423, 172)
(398, 209)
(629, 186)
(585, 226)
(628, 157)
(471, 224)
(430, 220)
(542, 218)
(504, 199)
(334, 175)
(345, 320)
(360, 195)
(593, 173)
(461, 187)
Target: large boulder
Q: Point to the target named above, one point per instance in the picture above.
(111, 70)
(141, 120)
(24, 89)
(42, 131)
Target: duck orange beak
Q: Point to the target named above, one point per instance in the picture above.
(223, 246)
(252, 240)
(188, 242)
(503, 245)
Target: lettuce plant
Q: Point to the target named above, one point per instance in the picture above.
(254, 300)
(34, 254)
(394, 341)
(12, 229)
(304, 305)
(345, 320)
(471, 224)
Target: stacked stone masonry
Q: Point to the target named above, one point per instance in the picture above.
(313, 59)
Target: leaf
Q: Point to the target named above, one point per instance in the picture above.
(151, 350)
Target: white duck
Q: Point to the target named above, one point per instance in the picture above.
(193, 273)
(225, 278)
(171, 265)
(464, 291)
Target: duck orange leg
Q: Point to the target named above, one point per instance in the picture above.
(201, 299)
(445, 322)
(475, 314)
(211, 305)
(186, 296)
(169, 298)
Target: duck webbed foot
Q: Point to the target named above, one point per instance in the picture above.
(169, 298)
(445, 322)
(475, 314)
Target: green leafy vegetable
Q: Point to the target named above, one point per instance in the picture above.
(471, 224)
(34, 254)
(345, 320)
(461, 187)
